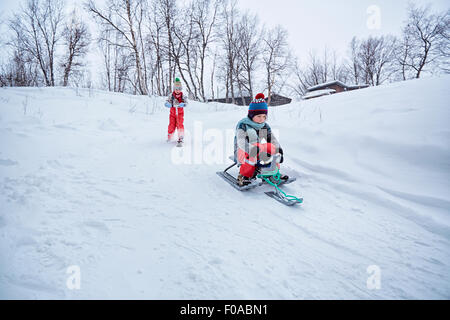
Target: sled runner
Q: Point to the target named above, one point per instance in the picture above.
(266, 175)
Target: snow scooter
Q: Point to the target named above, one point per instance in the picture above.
(269, 173)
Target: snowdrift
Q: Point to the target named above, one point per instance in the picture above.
(90, 192)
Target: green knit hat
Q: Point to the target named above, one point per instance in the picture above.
(177, 84)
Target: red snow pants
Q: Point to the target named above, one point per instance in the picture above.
(176, 120)
(248, 164)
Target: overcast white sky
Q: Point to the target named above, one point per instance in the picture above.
(314, 24)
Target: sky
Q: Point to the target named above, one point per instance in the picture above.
(312, 25)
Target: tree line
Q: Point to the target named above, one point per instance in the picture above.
(215, 48)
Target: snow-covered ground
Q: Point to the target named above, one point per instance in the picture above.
(87, 180)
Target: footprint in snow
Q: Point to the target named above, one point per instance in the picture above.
(108, 125)
(95, 226)
(2, 222)
(65, 127)
(7, 162)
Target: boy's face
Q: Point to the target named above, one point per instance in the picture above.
(177, 91)
(260, 118)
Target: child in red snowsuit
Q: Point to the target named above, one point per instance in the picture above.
(176, 102)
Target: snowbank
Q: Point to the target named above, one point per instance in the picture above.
(318, 93)
(88, 184)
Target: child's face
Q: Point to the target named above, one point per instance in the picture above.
(177, 90)
(260, 118)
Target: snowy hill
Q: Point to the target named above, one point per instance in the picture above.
(87, 180)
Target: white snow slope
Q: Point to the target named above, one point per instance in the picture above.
(87, 180)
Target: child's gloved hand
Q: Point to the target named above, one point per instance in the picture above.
(182, 105)
(168, 104)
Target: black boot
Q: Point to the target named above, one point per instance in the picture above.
(243, 181)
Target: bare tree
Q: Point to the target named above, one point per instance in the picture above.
(325, 65)
(20, 71)
(314, 74)
(229, 14)
(156, 48)
(213, 70)
(125, 17)
(117, 58)
(318, 69)
(18, 67)
(354, 65)
(37, 29)
(167, 11)
(298, 85)
(425, 39)
(250, 36)
(276, 57)
(376, 56)
(204, 17)
(105, 47)
(76, 40)
(443, 50)
(403, 51)
(185, 51)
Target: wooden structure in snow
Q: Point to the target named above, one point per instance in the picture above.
(276, 100)
(330, 87)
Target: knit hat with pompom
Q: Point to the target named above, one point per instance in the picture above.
(257, 106)
(177, 84)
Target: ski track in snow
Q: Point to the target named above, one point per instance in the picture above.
(90, 183)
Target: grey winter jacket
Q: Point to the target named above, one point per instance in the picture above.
(249, 133)
(174, 102)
